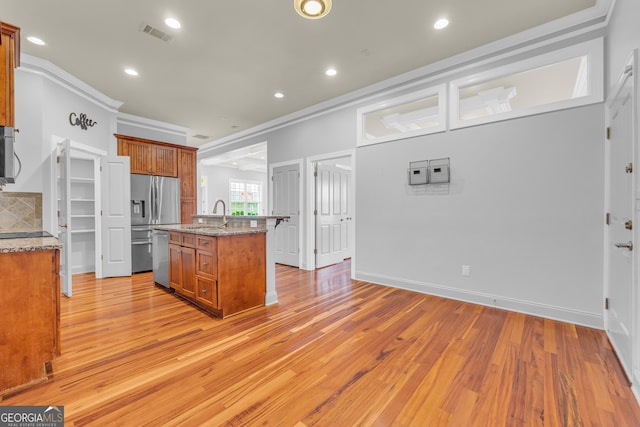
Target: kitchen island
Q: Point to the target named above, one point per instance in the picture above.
(223, 269)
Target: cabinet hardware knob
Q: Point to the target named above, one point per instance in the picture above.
(204, 291)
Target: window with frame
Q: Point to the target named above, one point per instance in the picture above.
(564, 78)
(414, 114)
(245, 198)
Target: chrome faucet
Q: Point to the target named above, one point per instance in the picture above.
(224, 211)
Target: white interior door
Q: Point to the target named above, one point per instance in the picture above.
(116, 217)
(286, 201)
(620, 260)
(346, 219)
(64, 214)
(328, 214)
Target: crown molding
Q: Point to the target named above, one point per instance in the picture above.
(591, 19)
(48, 70)
(143, 122)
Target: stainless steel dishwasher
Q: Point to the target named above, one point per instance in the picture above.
(160, 247)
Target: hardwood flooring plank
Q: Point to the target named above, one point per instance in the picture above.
(332, 352)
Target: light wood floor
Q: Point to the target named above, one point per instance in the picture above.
(332, 353)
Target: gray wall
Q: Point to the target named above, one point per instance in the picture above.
(623, 36)
(524, 210)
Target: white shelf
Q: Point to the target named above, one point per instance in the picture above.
(80, 180)
(82, 231)
(82, 200)
(82, 216)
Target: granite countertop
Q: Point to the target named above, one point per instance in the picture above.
(209, 230)
(29, 244)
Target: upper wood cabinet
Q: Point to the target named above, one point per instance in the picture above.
(149, 157)
(160, 158)
(10, 57)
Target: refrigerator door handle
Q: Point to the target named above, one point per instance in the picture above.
(157, 198)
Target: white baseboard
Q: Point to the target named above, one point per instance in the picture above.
(592, 320)
(270, 298)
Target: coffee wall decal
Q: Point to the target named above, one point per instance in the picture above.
(81, 120)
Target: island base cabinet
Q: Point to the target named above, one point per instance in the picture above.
(30, 301)
(223, 275)
(242, 272)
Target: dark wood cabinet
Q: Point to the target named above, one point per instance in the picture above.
(160, 158)
(149, 158)
(188, 184)
(182, 264)
(30, 300)
(229, 274)
(10, 57)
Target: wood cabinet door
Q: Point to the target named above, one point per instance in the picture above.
(140, 154)
(188, 271)
(175, 267)
(187, 174)
(207, 292)
(164, 161)
(9, 54)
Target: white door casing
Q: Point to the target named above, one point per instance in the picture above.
(64, 214)
(620, 206)
(286, 201)
(116, 217)
(328, 214)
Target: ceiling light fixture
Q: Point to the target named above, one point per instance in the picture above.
(131, 71)
(331, 72)
(312, 9)
(173, 23)
(441, 23)
(36, 40)
(279, 95)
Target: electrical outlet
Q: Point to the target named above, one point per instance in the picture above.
(466, 270)
(199, 220)
(253, 223)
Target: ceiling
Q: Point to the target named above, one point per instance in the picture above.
(219, 72)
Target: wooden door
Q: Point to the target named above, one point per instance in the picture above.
(188, 272)
(188, 184)
(175, 268)
(140, 154)
(9, 59)
(164, 161)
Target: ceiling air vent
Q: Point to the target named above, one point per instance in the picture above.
(152, 31)
(201, 136)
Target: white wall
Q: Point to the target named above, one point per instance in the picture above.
(42, 109)
(524, 210)
(218, 185)
(623, 36)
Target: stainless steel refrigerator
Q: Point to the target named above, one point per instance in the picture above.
(155, 200)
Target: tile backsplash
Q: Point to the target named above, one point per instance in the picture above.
(20, 211)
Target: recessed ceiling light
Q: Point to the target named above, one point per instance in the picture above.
(279, 95)
(36, 40)
(312, 9)
(131, 71)
(441, 23)
(331, 72)
(173, 23)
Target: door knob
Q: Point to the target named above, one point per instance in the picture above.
(625, 245)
